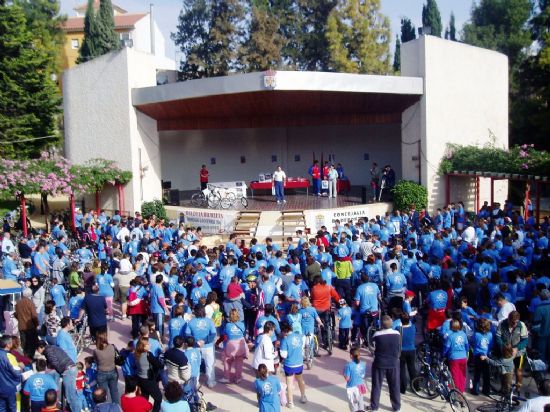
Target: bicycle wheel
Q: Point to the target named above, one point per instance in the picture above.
(231, 196)
(458, 402)
(225, 202)
(329, 337)
(198, 199)
(424, 388)
(494, 407)
(244, 202)
(315, 345)
(214, 200)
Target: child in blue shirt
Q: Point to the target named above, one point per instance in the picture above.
(456, 350)
(58, 296)
(469, 316)
(194, 358)
(354, 374)
(91, 380)
(129, 365)
(356, 323)
(267, 388)
(344, 315)
(75, 304)
(482, 341)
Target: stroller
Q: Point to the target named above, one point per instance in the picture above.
(195, 398)
(536, 368)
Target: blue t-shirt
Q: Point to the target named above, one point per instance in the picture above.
(104, 282)
(482, 343)
(65, 342)
(437, 299)
(263, 319)
(268, 394)
(345, 317)
(309, 315)
(291, 345)
(194, 359)
(234, 331)
(157, 292)
(75, 303)
(456, 345)
(37, 385)
(293, 291)
(176, 327)
(269, 290)
(179, 406)
(355, 372)
(201, 329)
(367, 295)
(58, 295)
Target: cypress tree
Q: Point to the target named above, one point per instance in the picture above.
(89, 48)
(432, 18)
(397, 55)
(108, 38)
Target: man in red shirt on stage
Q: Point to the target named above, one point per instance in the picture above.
(315, 173)
(203, 175)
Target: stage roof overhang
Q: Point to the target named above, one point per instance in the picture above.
(278, 99)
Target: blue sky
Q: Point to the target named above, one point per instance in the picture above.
(167, 11)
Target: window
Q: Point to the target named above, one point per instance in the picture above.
(125, 36)
(75, 44)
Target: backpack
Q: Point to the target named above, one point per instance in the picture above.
(217, 318)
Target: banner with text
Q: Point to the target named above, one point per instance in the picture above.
(326, 217)
(212, 222)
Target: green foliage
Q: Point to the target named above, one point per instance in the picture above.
(408, 31)
(208, 34)
(99, 32)
(358, 37)
(407, 193)
(155, 207)
(450, 32)
(397, 55)
(262, 48)
(524, 160)
(432, 18)
(29, 98)
(93, 175)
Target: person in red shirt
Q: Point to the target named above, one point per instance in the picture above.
(321, 296)
(203, 176)
(132, 401)
(326, 170)
(315, 173)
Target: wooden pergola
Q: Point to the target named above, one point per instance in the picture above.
(529, 180)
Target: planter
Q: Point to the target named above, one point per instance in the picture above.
(537, 177)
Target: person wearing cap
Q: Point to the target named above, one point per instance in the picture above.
(407, 303)
(541, 326)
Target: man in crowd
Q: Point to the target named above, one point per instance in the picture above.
(10, 376)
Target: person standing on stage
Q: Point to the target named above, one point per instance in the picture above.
(332, 177)
(203, 176)
(374, 180)
(279, 179)
(315, 173)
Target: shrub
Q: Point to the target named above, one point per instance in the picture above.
(407, 193)
(155, 207)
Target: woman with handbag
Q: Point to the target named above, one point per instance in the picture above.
(148, 369)
(235, 348)
(107, 375)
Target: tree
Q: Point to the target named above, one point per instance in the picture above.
(432, 18)
(108, 38)
(29, 100)
(262, 48)
(408, 31)
(397, 55)
(90, 48)
(208, 34)
(358, 36)
(450, 32)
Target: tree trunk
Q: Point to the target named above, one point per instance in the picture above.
(97, 201)
(24, 215)
(46, 211)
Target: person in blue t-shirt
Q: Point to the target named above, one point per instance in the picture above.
(408, 351)
(482, 343)
(58, 294)
(293, 362)
(105, 283)
(344, 315)
(456, 351)
(36, 386)
(158, 303)
(267, 390)
(202, 329)
(366, 299)
(194, 358)
(176, 325)
(354, 374)
(75, 303)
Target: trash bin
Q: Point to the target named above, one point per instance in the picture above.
(364, 195)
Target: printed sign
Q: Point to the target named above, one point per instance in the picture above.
(326, 217)
(212, 222)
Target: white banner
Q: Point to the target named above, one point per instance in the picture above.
(326, 217)
(212, 222)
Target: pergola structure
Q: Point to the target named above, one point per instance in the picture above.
(529, 180)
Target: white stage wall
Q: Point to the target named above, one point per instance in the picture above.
(183, 152)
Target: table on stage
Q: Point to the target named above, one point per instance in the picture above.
(343, 185)
(291, 183)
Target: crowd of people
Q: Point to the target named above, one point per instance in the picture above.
(480, 282)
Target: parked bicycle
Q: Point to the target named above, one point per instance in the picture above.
(505, 403)
(214, 197)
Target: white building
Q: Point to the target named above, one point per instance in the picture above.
(245, 124)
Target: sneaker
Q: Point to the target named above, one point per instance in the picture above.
(210, 407)
(224, 380)
(211, 385)
(278, 202)
(284, 201)
(290, 405)
(303, 399)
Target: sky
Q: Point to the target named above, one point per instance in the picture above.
(166, 13)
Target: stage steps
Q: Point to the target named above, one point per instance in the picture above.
(290, 222)
(246, 224)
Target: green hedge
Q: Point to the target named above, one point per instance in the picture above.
(407, 193)
(155, 207)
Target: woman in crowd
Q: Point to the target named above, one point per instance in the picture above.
(268, 388)
(456, 350)
(146, 371)
(264, 353)
(174, 402)
(107, 375)
(203, 331)
(235, 349)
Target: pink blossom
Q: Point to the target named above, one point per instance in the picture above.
(525, 166)
(523, 153)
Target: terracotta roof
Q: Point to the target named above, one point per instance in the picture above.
(82, 7)
(124, 21)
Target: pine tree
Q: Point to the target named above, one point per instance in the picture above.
(29, 101)
(432, 18)
(452, 28)
(89, 48)
(397, 55)
(262, 48)
(108, 38)
(408, 31)
(358, 36)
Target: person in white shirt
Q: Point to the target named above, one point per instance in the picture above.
(539, 403)
(7, 244)
(123, 233)
(332, 182)
(505, 308)
(279, 179)
(265, 351)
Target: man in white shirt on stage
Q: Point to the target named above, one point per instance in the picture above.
(279, 179)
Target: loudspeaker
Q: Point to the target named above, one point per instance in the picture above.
(174, 197)
(167, 184)
(364, 195)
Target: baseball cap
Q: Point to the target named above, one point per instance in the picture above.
(410, 294)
